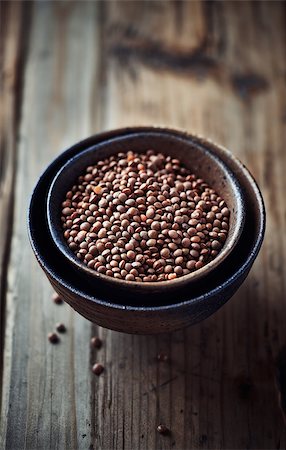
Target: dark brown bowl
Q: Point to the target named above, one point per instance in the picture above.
(159, 313)
(199, 159)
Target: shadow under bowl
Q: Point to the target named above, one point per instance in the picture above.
(161, 313)
(201, 160)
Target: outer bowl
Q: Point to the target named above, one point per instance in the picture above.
(162, 313)
(201, 160)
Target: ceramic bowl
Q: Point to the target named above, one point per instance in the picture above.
(186, 305)
(201, 160)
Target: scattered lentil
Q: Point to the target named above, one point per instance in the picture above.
(61, 328)
(97, 369)
(53, 338)
(57, 299)
(96, 342)
(162, 357)
(143, 217)
(162, 429)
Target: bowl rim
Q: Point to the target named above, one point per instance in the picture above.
(230, 243)
(86, 297)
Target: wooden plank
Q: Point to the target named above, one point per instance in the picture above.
(184, 64)
(41, 408)
(11, 83)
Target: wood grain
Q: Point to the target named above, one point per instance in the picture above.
(12, 54)
(214, 69)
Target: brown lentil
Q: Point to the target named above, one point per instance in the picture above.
(97, 369)
(61, 328)
(53, 338)
(162, 429)
(143, 217)
(96, 342)
(162, 357)
(57, 299)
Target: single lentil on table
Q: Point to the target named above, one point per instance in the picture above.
(53, 338)
(143, 217)
(97, 369)
(96, 342)
(57, 299)
(162, 429)
(60, 327)
(162, 357)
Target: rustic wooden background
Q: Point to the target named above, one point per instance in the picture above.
(70, 69)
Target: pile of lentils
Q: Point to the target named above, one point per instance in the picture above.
(143, 217)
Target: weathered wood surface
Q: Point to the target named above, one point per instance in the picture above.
(71, 69)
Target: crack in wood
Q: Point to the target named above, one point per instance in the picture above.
(155, 388)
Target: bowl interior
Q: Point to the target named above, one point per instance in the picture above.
(199, 159)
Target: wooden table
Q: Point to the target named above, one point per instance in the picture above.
(70, 70)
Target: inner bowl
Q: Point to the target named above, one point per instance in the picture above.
(200, 159)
